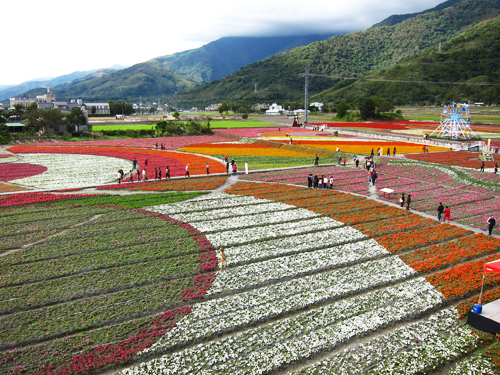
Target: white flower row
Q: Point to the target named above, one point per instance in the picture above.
(265, 348)
(392, 352)
(474, 366)
(8, 159)
(292, 244)
(72, 170)
(230, 212)
(265, 218)
(238, 310)
(212, 202)
(294, 265)
(240, 236)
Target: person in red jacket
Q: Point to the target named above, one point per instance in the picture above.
(447, 214)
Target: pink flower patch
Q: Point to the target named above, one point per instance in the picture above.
(14, 171)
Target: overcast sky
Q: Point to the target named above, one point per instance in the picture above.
(48, 39)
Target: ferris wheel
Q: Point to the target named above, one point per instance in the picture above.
(455, 122)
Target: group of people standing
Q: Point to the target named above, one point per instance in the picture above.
(404, 200)
(135, 171)
(379, 151)
(321, 182)
(162, 146)
(229, 166)
(483, 164)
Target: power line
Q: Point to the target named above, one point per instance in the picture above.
(408, 81)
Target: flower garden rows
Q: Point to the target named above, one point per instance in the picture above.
(471, 201)
(321, 284)
(324, 267)
(75, 296)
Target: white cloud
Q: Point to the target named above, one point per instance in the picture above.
(59, 37)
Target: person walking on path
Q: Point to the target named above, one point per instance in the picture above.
(339, 160)
(144, 174)
(316, 160)
(320, 182)
(146, 161)
(119, 177)
(491, 223)
(131, 176)
(134, 163)
(208, 169)
(440, 211)
(388, 151)
(235, 169)
(482, 166)
(315, 182)
(402, 200)
(372, 153)
(331, 182)
(344, 161)
(394, 151)
(357, 163)
(408, 202)
(159, 173)
(325, 183)
(496, 168)
(310, 180)
(167, 172)
(447, 214)
(374, 177)
(227, 167)
(156, 174)
(187, 171)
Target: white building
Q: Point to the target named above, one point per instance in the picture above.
(275, 109)
(100, 108)
(317, 105)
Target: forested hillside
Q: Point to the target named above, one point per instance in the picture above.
(352, 55)
(473, 57)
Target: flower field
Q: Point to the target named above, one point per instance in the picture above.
(461, 159)
(318, 281)
(360, 147)
(170, 143)
(203, 183)
(106, 168)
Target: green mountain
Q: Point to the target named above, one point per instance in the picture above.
(140, 79)
(351, 55)
(226, 55)
(170, 74)
(398, 18)
(470, 58)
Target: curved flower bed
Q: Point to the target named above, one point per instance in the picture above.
(105, 293)
(156, 159)
(301, 281)
(170, 143)
(14, 171)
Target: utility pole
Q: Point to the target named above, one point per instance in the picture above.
(306, 75)
(439, 50)
(255, 91)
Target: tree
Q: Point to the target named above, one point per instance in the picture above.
(18, 110)
(367, 109)
(4, 130)
(93, 110)
(120, 108)
(51, 117)
(76, 118)
(176, 115)
(152, 110)
(223, 108)
(342, 109)
(32, 116)
(381, 105)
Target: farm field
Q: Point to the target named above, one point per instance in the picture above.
(125, 278)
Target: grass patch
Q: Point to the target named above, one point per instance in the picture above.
(268, 162)
(99, 128)
(251, 123)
